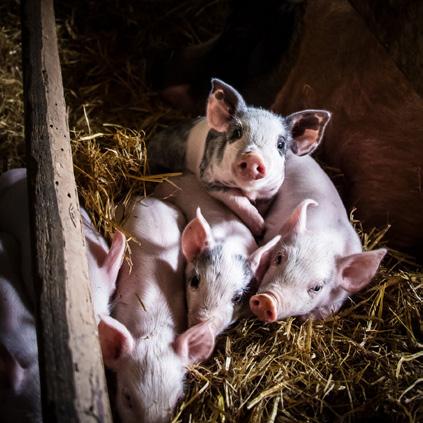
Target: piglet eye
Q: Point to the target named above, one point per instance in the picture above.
(278, 259)
(237, 133)
(281, 143)
(316, 288)
(195, 281)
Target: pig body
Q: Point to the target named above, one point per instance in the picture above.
(238, 152)
(19, 377)
(148, 312)
(222, 260)
(319, 261)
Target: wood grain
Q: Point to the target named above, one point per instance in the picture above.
(71, 369)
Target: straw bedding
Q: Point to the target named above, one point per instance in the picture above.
(364, 364)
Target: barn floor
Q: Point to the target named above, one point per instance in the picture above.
(364, 364)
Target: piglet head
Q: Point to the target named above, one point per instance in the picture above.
(149, 373)
(217, 274)
(306, 277)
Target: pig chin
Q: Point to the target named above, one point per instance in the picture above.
(216, 322)
(260, 189)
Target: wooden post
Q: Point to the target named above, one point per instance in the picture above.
(71, 369)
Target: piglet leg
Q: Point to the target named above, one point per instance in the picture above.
(241, 206)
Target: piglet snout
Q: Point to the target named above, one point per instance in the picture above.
(251, 167)
(264, 307)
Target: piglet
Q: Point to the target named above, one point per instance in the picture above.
(148, 313)
(103, 264)
(319, 261)
(19, 378)
(222, 263)
(238, 152)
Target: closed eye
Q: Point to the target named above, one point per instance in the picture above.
(278, 259)
(315, 289)
(195, 281)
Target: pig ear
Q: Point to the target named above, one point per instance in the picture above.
(196, 344)
(11, 372)
(113, 261)
(223, 104)
(259, 260)
(357, 270)
(307, 128)
(196, 237)
(115, 340)
(296, 223)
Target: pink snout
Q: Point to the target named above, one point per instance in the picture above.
(251, 167)
(264, 307)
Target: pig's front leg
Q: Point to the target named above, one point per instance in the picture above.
(241, 205)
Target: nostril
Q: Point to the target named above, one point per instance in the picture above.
(269, 314)
(261, 169)
(243, 165)
(256, 303)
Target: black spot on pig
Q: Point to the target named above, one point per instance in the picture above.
(169, 147)
(214, 150)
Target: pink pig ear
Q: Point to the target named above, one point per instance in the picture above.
(307, 129)
(196, 344)
(196, 237)
(296, 223)
(223, 104)
(259, 260)
(11, 372)
(357, 270)
(114, 258)
(115, 340)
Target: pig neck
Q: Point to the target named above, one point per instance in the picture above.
(226, 227)
(304, 178)
(155, 304)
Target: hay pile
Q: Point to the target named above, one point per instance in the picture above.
(364, 364)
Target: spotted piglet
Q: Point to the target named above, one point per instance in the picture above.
(223, 261)
(237, 151)
(319, 260)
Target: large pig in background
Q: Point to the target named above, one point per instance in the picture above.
(19, 378)
(238, 152)
(149, 312)
(223, 261)
(319, 261)
(377, 132)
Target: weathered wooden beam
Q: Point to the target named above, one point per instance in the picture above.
(71, 369)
